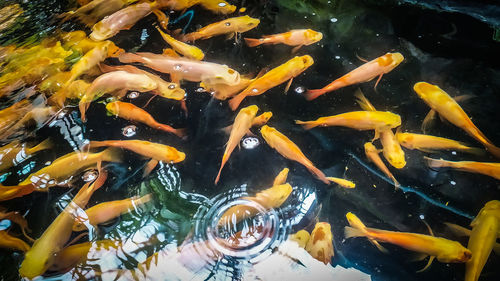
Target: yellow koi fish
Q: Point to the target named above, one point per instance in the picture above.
(356, 223)
(429, 143)
(96, 10)
(444, 250)
(290, 150)
(229, 26)
(41, 256)
(301, 237)
(342, 182)
(366, 72)
(75, 90)
(320, 245)
(107, 211)
(281, 177)
(485, 168)
(295, 37)
(131, 112)
(11, 192)
(216, 6)
(449, 109)
(12, 243)
(182, 48)
(242, 124)
(485, 227)
(15, 152)
(371, 153)
(273, 78)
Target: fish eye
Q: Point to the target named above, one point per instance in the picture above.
(228, 23)
(230, 71)
(171, 86)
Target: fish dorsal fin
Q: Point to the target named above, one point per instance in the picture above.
(431, 259)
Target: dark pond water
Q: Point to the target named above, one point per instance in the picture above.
(451, 47)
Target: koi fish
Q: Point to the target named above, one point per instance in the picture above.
(372, 154)
(442, 249)
(273, 78)
(121, 20)
(107, 211)
(12, 243)
(11, 192)
(449, 109)
(131, 112)
(290, 150)
(484, 168)
(64, 167)
(164, 89)
(427, 143)
(301, 237)
(42, 254)
(75, 90)
(281, 177)
(485, 227)
(216, 6)
(295, 37)
(242, 124)
(366, 72)
(359, 120)
(184, 68)
(229, 26)
(342, 182)
(116, 81)
(15, 152)
(182, 48)
(356, 223)
(269, 198)
(96, 10)
(320, 245)
(38, 115)
(391, 148)
(432, 114)
(72, 255)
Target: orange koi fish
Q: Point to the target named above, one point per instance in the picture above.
(356, 223)
(184, 68)
(242, 124)
(320, 245)
(359, 120)
(342, 182)
(364, 73)
(131, 112)
(429, 143)
(273, 78)
(190, 52)
(11, 192)
(107, 211)
(485, 227)
(216, 6)
(290, 150)
(301, 237)
(12, 243)
(449, 109)
(281, 177)
(229, 26)
(444, 250)
(72, 255)
(41, 256)
(295, 37)
(96, 10)
(372, 154)
(15, 152)
(485, 168)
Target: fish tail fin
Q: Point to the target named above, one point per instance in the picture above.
(224, 160)
(130, 58)
(350, 232)
(234, 103)
(83, 109)
(319, 174)
(181, 133)
(492, 149)
(111, 154)
(435, 163)
(144, 199)
(312, 94)
(251, 42)
(428, 120)
(363, 102)
(307, 124)
(44, 145)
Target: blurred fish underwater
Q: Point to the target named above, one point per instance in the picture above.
(249, 140)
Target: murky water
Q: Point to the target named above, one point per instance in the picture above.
(176, 236)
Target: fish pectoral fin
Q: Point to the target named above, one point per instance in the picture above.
(376, 136)
(376, 83)
(428, 228)
(361, 59)
(418, 257)
(428, 120)
(296, 49)
(288, 85)
(431, 259)
(250, 134)
(230, 36)
(149, 167)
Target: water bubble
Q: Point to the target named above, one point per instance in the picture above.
(453, 182)
(454, 152)
(129, 130)
(250, 142)
(337, 57)
(90, 175)
(133, 95)
(421, 217)
(300, 90)
(333, 19)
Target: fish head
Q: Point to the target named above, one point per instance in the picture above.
(404, 139)
(425, 90)
(490, 208)
(397, 160)
(101, 32)
(250, 110)
(306, 61)
(37, 260)
(320, 245)
(171, 91)
(225, 75)
(313, 36)
(113, 107)
(275, 196)
(266, 116)
(174, 155)
(454, 253)
(396, 59)
(246, 23)
(354, 221)
(301, 237)
(369, 147)
(265, 130)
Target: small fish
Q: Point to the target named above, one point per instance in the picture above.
(359, 120)
(15, 153)
(485, 228)
(342, 182)
(118, 82)
(427, 143)
(229, 26)
(182, 48)
(107, 211)
(273, 78)
(242, 124)
(485, 168)
(355, 222)
(295, 37)
(42, 254)
(290, 150)
(366, 72)
(320, 245)
(444, 250)
(281, 177)
(449, 109)
(217, 6)
(12, 243)
(372, 154)
(131, 112)
(301, 237)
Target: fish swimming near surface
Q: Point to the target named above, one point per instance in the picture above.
(230, 26)
(372, 153)
(485, 168)
(281, 177)
(15, 152)
(182, 48)
(295, 37)
(301, 237)
(342, 182)
(427, 143)
(320, 244)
